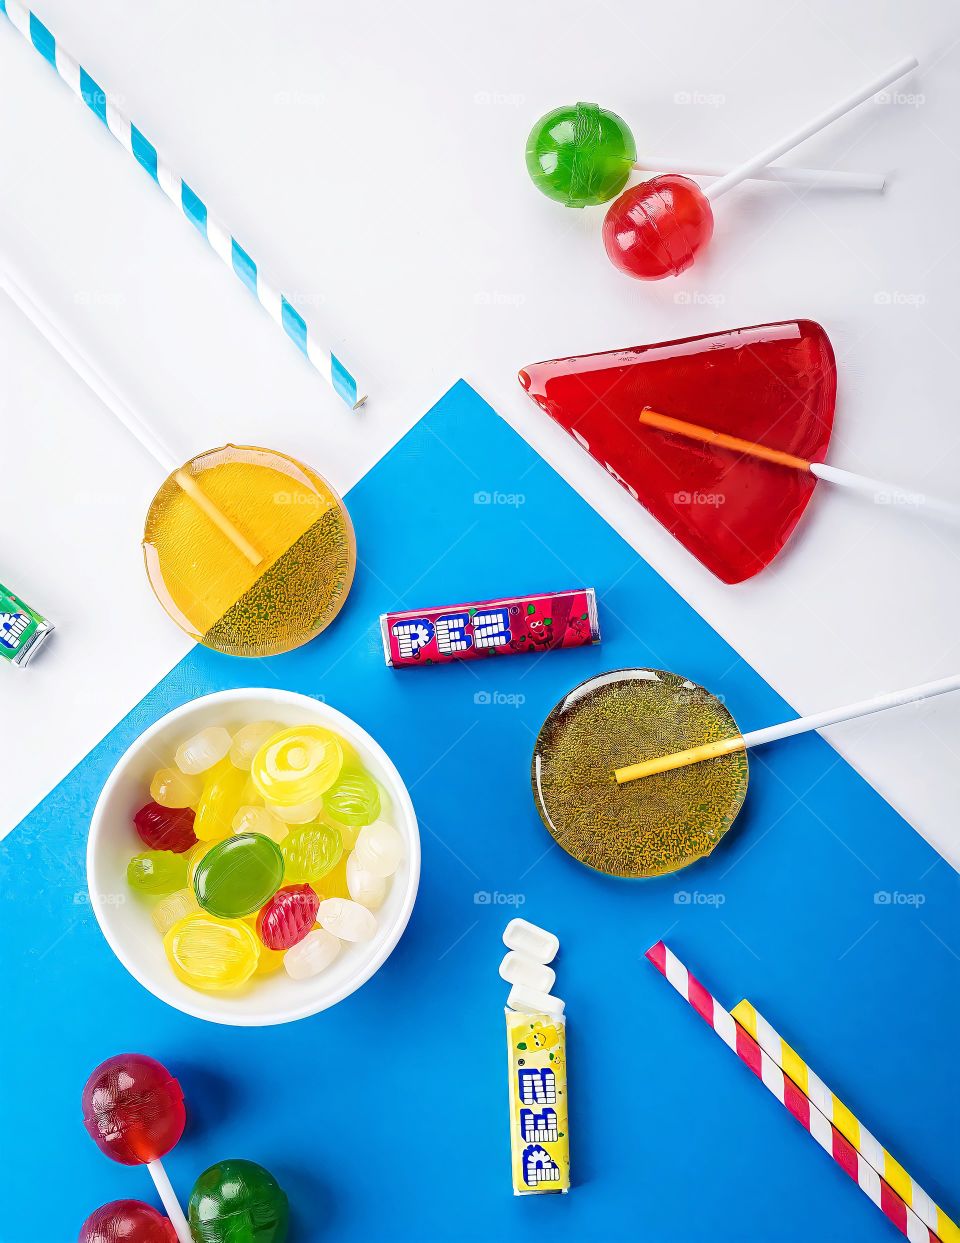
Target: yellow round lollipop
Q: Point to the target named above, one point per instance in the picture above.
(249, 551)
(641, 828)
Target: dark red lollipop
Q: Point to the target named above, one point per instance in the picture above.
(127, 1221)
(133, 1109)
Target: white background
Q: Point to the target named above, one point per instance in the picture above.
(370, 156)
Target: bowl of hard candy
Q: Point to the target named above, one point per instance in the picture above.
(254, 857)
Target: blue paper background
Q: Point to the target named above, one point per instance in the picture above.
(385, 1118)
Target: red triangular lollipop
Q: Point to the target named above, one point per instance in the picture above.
(772, 384)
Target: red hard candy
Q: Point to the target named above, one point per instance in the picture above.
(133, 1109)
(166, 828)
(287, 917)
(127, 1221)
(655, 229)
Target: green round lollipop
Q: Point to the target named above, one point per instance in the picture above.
(580, 155)
(238, 875)
(238, 1201)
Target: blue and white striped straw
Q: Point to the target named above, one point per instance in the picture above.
(181, 194)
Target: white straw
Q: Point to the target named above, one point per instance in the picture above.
(826, 178)
(778, 149)
(168, 1198)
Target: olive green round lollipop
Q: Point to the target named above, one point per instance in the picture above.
(641, 828)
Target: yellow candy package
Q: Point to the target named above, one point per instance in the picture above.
(539, 1130)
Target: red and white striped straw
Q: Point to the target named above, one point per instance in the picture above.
(789, 1095)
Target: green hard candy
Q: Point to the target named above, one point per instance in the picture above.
(238, 1201)
(580, 155)
(157, 872)
(310, 852)
(353, 799)
(238, 875)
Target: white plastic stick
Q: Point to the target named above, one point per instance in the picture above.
(800, 725)
(851, 712)
(749, 167)
(883, 493)
(827, 178)
(46, 324)
(168, 1197)
(879, 491)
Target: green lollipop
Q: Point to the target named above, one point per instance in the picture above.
(238, 875)
(580, 155)
(238, 1201)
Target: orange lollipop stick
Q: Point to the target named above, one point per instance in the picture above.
(707, 436)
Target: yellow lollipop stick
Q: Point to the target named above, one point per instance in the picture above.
(217, 517)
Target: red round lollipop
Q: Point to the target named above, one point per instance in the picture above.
(133, 1109)
(655, 229)
(127, 1221)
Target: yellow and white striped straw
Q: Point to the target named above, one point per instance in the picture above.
(847, 1123)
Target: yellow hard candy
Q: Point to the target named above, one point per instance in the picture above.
(212, 954)
(222, 798)
(297, 765)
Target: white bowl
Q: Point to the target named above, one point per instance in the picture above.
(125, 918)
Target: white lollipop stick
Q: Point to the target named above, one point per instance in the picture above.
(54, 334)
(44, 322)
(883, 493)
(800, 725)
(851, 712)
(750, 167)
(168, 1197)
(879, 491)
(828, 178)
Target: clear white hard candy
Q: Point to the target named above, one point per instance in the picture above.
(248, 741)
(379, 849)
(366, 888)
(203, 750)
(312, 955)
(174, 907)
(250, 819)
(347, 920)
(300, 813)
